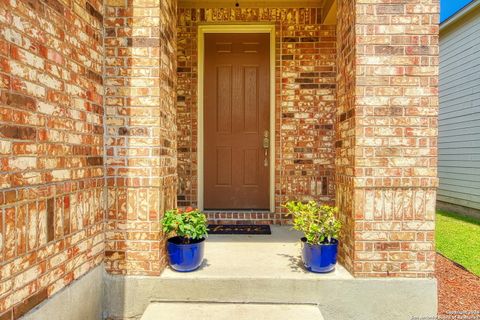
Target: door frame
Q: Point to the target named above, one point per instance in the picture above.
(233, 28)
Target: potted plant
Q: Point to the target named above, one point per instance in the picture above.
(321, 229)
(186, 246)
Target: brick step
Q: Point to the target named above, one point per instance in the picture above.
(244, 217)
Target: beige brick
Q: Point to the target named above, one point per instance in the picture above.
(388, 147)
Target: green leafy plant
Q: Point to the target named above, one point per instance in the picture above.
(317, 222)
(189, 224)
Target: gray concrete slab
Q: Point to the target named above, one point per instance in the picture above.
(275, 256)
(359, 299)
(267, 269)
(82, 300)
(229, 311)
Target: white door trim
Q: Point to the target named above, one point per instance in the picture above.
(234, 28)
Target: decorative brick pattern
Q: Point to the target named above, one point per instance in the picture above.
(304, 93)
(386, 135)
(51, 148)
(243, 217)
(140, 79)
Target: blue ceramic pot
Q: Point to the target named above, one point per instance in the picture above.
(319, 257)
(185, 257)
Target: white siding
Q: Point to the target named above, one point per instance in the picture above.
(459, 119)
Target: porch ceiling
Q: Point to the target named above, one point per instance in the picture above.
(255, 3)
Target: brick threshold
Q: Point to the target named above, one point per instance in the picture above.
(243, 217)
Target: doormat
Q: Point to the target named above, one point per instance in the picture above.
(238, 229)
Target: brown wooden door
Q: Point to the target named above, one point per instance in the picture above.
(236, 118)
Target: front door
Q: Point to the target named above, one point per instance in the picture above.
(236, 121)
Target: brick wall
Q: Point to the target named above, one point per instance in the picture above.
(305, 71)
(140, 76)
(51, 148)
(345, 128)
(387, 135)
(379, 143)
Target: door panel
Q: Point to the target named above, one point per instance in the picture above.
(224, 99)
(250, 177)
(236, 117)
(251, 100)
(224, 166)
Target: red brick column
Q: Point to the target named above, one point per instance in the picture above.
(140, 78)
(386, 135)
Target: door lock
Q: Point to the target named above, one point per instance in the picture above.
(266, 140)
(266, 145)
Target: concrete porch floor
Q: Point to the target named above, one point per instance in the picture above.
(242, 273)
(230, 260)
(275, 256)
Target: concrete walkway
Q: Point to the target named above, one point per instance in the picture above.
(275, 256)
(229, 311)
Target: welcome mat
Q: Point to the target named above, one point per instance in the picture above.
(238, 229)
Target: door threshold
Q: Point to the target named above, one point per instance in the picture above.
(237, 210)
(242, 216)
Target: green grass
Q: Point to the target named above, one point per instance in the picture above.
(458, 238)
